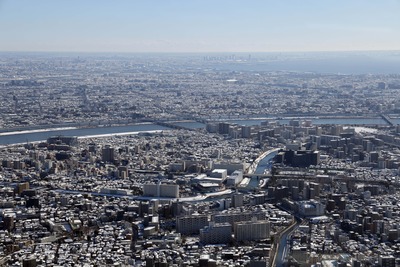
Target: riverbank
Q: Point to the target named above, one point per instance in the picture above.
(31, 136)
(37, 131)
(40, 128)
(7, 136)
(119, 134)
(284, 118)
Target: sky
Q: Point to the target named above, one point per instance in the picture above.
(199, 25)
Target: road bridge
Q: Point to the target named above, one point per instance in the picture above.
(387, 120)
(171, 125)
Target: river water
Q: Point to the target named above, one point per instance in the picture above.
(264, 165)
(16, 138)
(34, 136)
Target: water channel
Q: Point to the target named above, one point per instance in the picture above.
(34, 136)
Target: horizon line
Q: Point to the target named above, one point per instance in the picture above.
(196, 52)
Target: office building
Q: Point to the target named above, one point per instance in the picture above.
(108, 154)
(301, 158)
(219, 173)
(237, 200)
(235, 178)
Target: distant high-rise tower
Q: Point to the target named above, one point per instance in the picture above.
(108, 154)
(382, 85)
(237, 200)
(135, 236)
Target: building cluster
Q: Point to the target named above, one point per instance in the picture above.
(104, 200)
(375, 147)
(40, 91)
(361, 232)
(225, 195)
(167, 198)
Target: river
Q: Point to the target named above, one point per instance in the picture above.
(34, 136)
(264, 164)
(40, 135)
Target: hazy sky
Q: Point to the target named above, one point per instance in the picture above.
(199, 25)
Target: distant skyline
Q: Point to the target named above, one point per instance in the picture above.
(199, 26)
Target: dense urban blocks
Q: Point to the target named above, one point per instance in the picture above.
(231, 192)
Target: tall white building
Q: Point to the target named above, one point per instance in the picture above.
(219, 173)
(235, 178)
